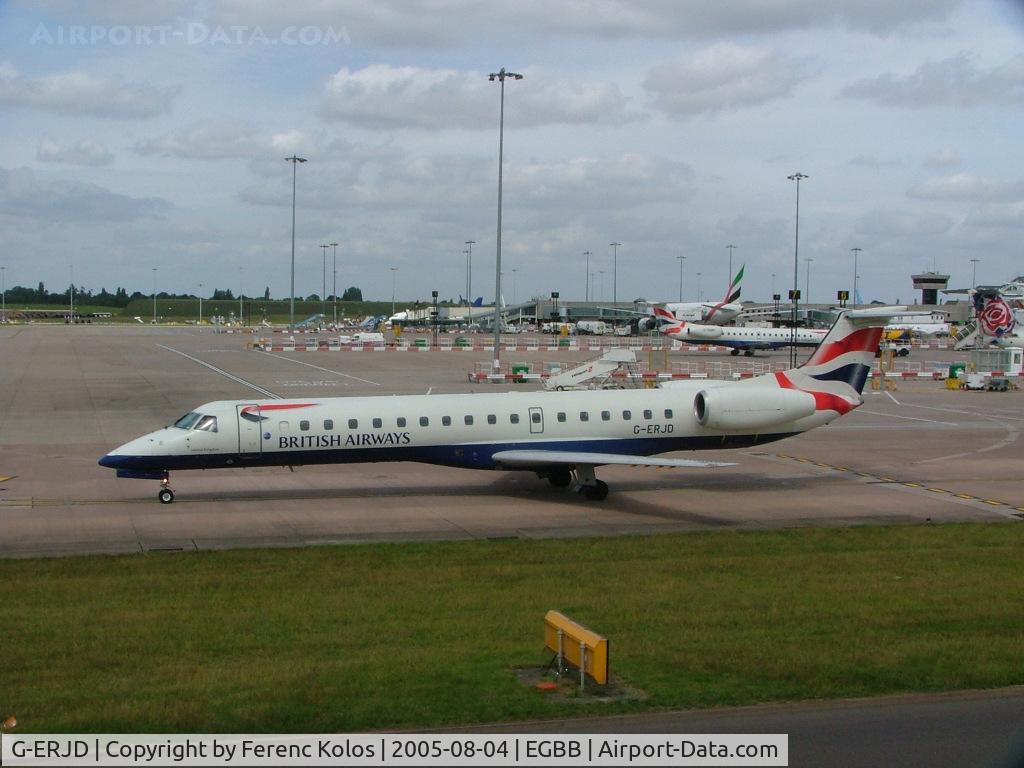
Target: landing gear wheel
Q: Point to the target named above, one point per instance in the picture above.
(734, 352)
(166, 495)
(596, 492)
(748, 352)
(560, 478)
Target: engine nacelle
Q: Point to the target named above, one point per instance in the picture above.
(742, 407)
(704, 331)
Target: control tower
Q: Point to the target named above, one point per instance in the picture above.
(930, 283)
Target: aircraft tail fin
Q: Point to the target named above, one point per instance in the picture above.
(666, 320)
(733, 294)
(993, 313)
(846, 353)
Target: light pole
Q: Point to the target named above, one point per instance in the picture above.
(200, 306)
(729, 281)
(587, 254)
(323, 291)
(469, 278)
(601, 273)
(500, 77)
(71, 292)
(797, 177)
(700, 295)
(515, 299)
(3, 281)
(241, 297)
(154, 295)
(974, 272)
(393, 270)
(807, 285)
(615, 272)
(294, 160)
(334, 281)
(773, 283)
(681, 260)
(856, 253)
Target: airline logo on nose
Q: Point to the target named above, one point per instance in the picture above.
(251, 412)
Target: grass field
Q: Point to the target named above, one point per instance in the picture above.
(388, 636)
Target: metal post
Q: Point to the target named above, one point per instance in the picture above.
(323, 291)
(807, 289)
(797, 177)
(974, 272)
(856, 253)
(200, 306)
(731, 248)
(500, 76)
(3, 279)
(294, 160)
(561, 653)
(393, 270)
(587, 254)
(681, 260)
(71, 292)
(154, 295)
(334, 283)
(615, 272)
(469, 281)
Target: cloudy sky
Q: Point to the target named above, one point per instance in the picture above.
(154, 135)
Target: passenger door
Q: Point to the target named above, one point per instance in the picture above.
(250, 430)
(536, 421)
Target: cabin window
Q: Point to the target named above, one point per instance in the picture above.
(668, 413)
(492, 419)
(606, 415)
(535, 418)
(627, 415)
(446, 421)
(424, 421)
(304, 425)
(186, 421)
(328, 425)
(514, 418)
(648, 414)
(283, 427)
(467, 420)
(207, 424)
(561, 416)
(400, 421)
(584, 416)
(353, 423)
(378, 423)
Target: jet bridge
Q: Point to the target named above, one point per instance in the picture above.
(596, 373)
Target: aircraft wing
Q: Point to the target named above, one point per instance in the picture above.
(538, 458)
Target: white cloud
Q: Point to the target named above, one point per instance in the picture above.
(79, 93)
(23, 193)
(876, 163)
(723, 77)
(382, 96)
(968, 187)
(85, 152)
(225, 141)
(953, 82)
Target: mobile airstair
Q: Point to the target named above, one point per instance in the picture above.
(597, 373)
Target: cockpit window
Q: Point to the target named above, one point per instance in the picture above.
(187, 421)
(207, 423)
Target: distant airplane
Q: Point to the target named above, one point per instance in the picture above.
(996, 320)
(739, 339)
(920, 322)
(706, 312)
(561, 436)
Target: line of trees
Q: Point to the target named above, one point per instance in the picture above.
(19, 294)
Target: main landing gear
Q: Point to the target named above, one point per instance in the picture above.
(165, 494)
(582, 480)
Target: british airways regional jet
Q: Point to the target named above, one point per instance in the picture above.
(560, 436)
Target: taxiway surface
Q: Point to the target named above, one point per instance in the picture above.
(68, 394)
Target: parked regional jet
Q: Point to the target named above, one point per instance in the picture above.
(561, 436)
(707, 312)
(746, 339)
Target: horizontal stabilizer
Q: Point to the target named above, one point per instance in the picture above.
(537, 458)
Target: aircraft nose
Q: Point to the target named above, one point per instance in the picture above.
(111, 460)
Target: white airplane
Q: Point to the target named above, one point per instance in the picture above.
(920, 322)
(746, 339)
(706, 312)
(561, 436)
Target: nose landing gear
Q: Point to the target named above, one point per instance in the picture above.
(165, 494)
